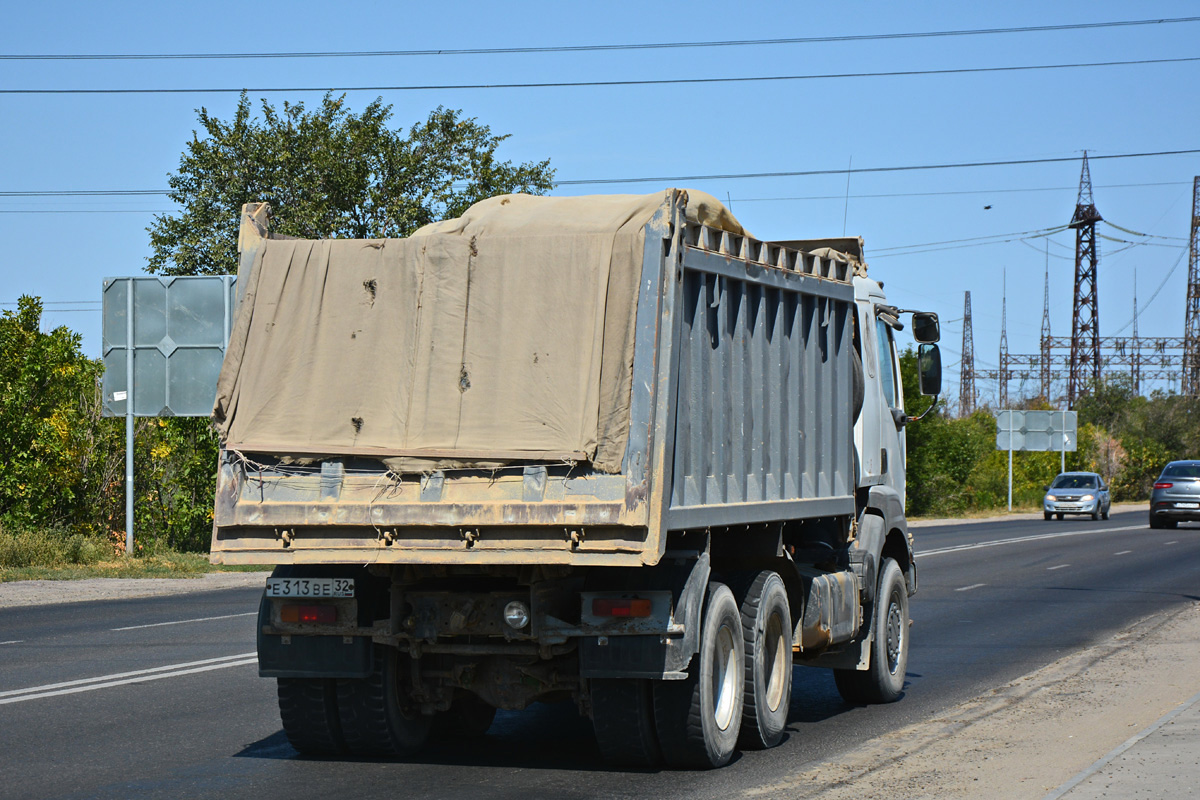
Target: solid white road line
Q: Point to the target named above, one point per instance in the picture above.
(969, 588)
(136, 675)
(1060, 566)
(13, 641)
(1020, 539)
(1167, 543)
(182, 621)
(159, 676)
(1123, 553)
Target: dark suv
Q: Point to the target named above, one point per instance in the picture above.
(1176, 495)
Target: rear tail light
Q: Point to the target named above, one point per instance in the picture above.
(322, 615)
(623, 607)
(1163, 485)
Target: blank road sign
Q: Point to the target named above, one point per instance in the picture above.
(180, 329)
(1035, 431)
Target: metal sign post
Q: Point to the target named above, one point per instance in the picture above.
(129, 421)
(1062, 460)
(1010, 452)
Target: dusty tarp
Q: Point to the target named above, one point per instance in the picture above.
(505, 334)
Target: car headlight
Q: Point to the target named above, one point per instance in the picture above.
(1051, 498)
(1087, 497)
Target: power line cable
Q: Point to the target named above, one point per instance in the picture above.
(679, 178)
(1022, 234)
(1166, 278)
(866, 37)
(957, 192)
(610, 83)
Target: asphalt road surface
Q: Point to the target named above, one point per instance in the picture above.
(160, 697)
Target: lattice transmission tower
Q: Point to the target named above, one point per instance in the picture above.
(1045, 371)
(1085, 313)
(1191, 327)
(1004, 371)
(967, 398)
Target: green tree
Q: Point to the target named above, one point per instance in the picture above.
(59, 461)
(327, 173)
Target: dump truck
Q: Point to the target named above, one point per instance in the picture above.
(611, 450)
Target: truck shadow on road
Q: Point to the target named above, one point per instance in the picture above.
(554, 736)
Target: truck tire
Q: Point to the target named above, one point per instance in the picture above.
(698, 719)
(308, 709)
(623, 718)
(468, 718)
(883, 680)
(767, 641)
(376, 716)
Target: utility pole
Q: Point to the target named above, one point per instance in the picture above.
(966, 390)
(1191, 327)
(1085, 313)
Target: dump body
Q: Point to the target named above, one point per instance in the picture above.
(739, 412)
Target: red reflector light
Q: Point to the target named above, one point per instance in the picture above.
(624, 607)
(1163, 485)
(324, 615)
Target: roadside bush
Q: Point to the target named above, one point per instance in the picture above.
(47, 548)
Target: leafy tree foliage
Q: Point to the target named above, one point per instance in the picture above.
(327, 173)
(59, 463)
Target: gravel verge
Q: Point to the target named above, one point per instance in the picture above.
(39, 593)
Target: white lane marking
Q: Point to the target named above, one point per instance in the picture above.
(959, 548)
(1167, 543)
(141, 679)
(182, 621)
(969, 588)
(222, 661)
(1060, 566)
(13, 641)
(1123, 553)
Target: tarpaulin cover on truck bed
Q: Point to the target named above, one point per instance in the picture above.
(505, 334)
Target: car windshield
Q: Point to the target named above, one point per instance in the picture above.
(1182, 471)
(1074, 482)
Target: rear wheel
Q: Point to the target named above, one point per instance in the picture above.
(767, 641)
(376, 714)
(698, 719)
(308, 709)
(883, 680)
(623, 718)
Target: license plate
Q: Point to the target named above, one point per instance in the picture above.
(1187, 505)
(310, 587)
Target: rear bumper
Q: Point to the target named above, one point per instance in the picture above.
(1169, 509)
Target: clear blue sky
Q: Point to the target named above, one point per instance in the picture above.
(60, 248)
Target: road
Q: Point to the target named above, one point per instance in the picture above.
(159, 697)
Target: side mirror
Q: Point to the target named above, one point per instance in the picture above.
(925, 328)
(929, 368)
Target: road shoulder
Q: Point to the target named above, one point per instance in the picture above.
(1024, 739)
(39, 593)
